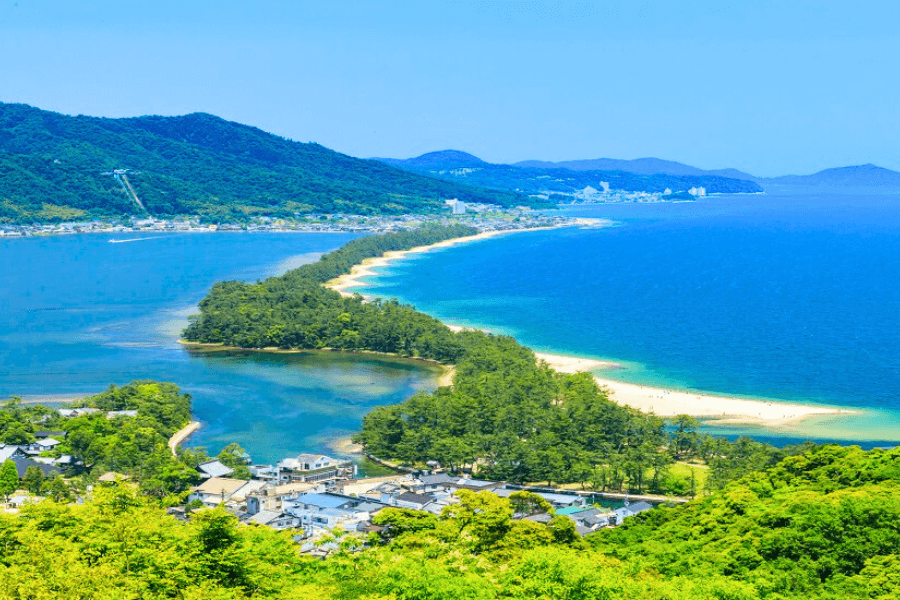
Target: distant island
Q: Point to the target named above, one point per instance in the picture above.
(859, 176)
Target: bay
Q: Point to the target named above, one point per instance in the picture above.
(78, 313)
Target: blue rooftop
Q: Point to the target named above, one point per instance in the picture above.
(321, 500)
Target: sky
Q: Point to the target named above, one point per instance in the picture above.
(767, 87)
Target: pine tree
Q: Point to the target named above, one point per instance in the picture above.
(9, 479)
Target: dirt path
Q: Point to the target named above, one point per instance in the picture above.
(182, 434)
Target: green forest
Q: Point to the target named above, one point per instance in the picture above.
(824, 524)
(134, 447)
(55, 167)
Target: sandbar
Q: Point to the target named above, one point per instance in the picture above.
(354, 279)
(670, 403)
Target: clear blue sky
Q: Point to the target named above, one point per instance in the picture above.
(767, 87)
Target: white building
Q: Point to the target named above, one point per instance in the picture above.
(456, 207)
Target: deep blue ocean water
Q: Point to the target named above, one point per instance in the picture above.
(78, 313)
(789, 295)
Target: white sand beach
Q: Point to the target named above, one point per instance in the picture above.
(669, 403)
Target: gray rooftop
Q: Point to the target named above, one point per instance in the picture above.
(437, 479)
(264, 517)
(415, 498)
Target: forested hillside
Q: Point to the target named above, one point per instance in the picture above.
(824, 524)
(58, 167)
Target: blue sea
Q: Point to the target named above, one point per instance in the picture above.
(791, 295)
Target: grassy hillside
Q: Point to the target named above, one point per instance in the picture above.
(57, 167)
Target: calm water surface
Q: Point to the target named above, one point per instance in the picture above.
(78, 313)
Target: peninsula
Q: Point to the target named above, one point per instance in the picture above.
(662, 402)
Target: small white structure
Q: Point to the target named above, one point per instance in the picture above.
(456, 207)
(214, 468)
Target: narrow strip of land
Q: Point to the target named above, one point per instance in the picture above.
(660, 401)
(670, 403)
(182, 434)
(354, 279)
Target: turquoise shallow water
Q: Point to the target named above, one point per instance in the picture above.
(789, 295)
(78, 313)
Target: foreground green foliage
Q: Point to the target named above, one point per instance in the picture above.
(821, 525)
(52, 169)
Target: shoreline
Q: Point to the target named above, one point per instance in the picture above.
(664, 402)
(668, 402)
(353, 279)
(181, 435)
(446, 375)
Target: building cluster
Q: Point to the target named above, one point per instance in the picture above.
(605, 195)
(29, 455)
(485, 217)
(312, 494)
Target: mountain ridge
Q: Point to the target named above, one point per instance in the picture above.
(638, 166)
(60, 167)
(867, 175)
(455, 165)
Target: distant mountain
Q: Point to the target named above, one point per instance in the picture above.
(859, 176)
(550, 178)
(639, 166)
(58, 167)
(445, 159)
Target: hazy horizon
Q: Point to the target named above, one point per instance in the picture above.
(764, 88)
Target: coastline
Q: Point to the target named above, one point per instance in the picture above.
(181, 435)
(667, 403)
(663, 402)
(354, 279)
(445, 377)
